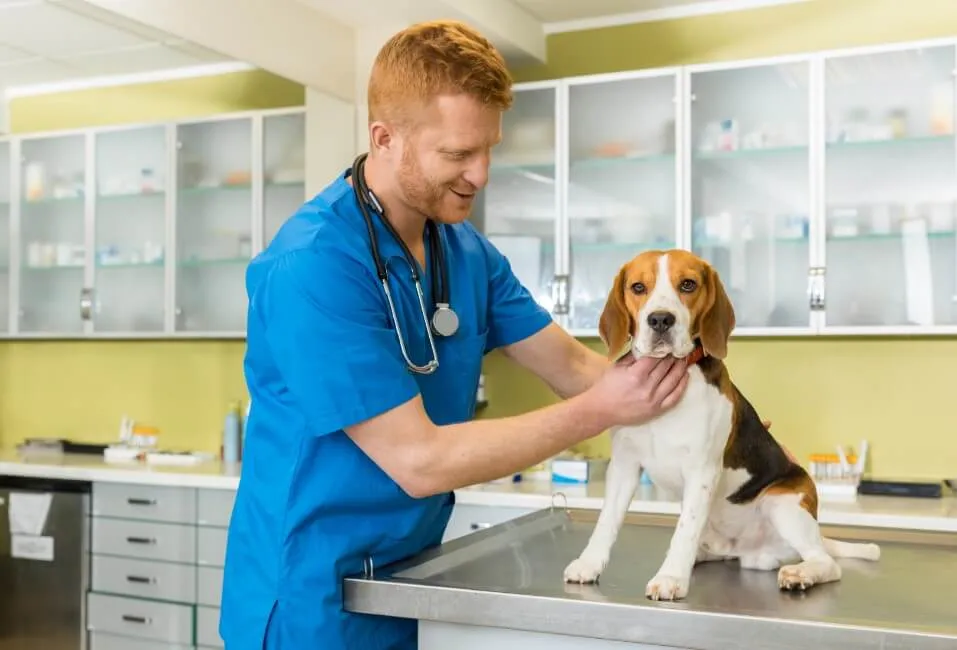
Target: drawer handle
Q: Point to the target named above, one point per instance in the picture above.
(142, 620)
(141, 540)
(480, 526)
(141, 579)
(141, 502)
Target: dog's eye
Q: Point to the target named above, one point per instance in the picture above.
(688, 286)
(638, 288)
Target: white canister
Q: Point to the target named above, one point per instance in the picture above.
(34, 181)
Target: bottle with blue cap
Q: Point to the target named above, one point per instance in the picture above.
(232, 434)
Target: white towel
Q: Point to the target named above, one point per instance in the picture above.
(28, 512)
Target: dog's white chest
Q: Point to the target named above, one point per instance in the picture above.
(682, 439)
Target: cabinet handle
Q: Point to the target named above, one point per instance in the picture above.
(141, 580)
(477, 526)
(141, 540)
(560, 294)
(141, 502)
(142, 620)
(86, 303)
(815, 289)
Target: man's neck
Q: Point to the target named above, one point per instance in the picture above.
(409, 223)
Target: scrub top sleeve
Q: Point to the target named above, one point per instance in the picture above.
(329, 336)
(513, 314)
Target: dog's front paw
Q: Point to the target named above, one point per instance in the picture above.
(583, 570)
(667, 588)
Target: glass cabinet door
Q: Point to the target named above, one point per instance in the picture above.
(750, 188)
(130, 227)
(621, 183)
(5, 226)
(52, 234)
(518, 208)
(213, 225)
(890, 187)
(284, 170)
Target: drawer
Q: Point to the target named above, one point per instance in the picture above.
(145, 578)
(468, 518)
(143, 619)
(211, 548)
(100, 641)
(215, 507)
(209, 586)
(207, 628)
(151, 502)
(145, 540)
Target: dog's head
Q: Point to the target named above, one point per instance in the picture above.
(666, 300)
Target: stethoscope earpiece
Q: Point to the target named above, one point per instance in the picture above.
(444, 321)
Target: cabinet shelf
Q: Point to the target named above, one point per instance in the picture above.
(755, 152)
(880, 143)
(221, 261)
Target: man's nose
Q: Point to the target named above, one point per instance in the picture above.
(661, 321)
(477, 172)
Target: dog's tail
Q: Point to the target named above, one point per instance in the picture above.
(838, 549)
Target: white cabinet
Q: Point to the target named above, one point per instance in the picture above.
(143, 231)
(890, 184)
(156, 562)
(468, 518)
(822, 186)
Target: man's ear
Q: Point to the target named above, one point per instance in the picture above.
(717, 321)
(380, 137)
(615, 324)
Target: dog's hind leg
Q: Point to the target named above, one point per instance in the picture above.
(800, 531)
(621, 481)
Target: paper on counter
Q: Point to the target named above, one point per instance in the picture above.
(30, 547)
(28, 512)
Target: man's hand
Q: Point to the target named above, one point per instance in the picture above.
(634, 391)
(787, 452)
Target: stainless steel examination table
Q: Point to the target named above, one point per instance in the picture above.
(502, 588)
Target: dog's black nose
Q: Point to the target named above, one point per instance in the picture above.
(661, 321)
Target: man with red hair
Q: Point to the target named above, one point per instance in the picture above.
(355, 441)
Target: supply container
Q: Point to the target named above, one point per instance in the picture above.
(232, 435)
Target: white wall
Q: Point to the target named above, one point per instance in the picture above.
(369, 40)
(330, 141)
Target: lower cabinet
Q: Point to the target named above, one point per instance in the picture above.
(156, 566)
(157, 557)
(470, 518)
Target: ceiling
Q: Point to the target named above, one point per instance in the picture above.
(55, 41)
(553, 11)
(44, 41)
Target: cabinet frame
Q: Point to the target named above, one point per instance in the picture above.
(257, 120)
(817, 191)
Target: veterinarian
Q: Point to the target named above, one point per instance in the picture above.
(362, 398)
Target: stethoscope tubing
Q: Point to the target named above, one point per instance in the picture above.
(437, 262)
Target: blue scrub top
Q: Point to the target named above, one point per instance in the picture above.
(321, 355)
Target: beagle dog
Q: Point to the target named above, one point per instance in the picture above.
(741, 496)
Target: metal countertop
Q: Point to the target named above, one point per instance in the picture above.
(511, 576)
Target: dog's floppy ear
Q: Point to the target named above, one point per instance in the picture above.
(616, 324)
(717, 320)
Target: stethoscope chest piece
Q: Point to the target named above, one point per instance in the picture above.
(445, 321)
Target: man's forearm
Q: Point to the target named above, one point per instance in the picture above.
(483, 450)
(585, 366)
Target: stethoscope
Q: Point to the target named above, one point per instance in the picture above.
(444, 321)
